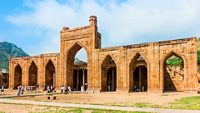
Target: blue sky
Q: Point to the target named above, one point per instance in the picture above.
(34, 25)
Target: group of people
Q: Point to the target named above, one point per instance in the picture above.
(50, 88)
(68, 89)
(20, 90)
(137, 89)
(65, 89)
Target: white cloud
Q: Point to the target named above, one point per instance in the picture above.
(122, 23)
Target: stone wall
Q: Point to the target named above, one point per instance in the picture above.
(4, 80)
(125, 58)
(40, 61)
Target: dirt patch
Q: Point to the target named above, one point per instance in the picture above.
(115, 98)
(13, 108)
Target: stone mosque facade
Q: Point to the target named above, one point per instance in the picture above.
(129, 68)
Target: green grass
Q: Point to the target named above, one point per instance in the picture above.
(146, 105)
(190, 103)
(79, 110)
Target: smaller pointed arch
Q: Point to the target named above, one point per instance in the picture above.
(138, 74)
(17, 76)
(137, 57)
(33, 74)
(173, 72)
(108, 74)
(50, 74)
(173, 53)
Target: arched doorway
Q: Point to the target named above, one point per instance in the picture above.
(77, 68)
(173, 73)
(50, 75)
(80, 70)
(17, 76)
(108, 75)
(138, 79)
(33, 75)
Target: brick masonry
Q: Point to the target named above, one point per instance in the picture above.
(125, 58)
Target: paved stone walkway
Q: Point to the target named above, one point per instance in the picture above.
(26, 94)
(15, 95)
(69, 105)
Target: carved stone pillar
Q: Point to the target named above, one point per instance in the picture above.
(113, 79)
(140, 78)
(77, 79)
(84, 79)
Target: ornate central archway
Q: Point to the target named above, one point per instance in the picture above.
(76, 78)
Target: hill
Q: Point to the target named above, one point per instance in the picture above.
(9, 50)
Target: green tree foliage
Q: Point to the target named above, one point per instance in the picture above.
(9, 50)
(198, 57)
(174, 61)
(198, 51)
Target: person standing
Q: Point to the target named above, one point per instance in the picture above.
(69, 89)
(65, 89)
(82, 88)
(48, 89)
(22, 89)
(2, 88)
(19, 90)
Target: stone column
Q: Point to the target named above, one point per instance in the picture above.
(54, 79)
(84, 79)
(113, 79)
(140, 78)
(77, 79)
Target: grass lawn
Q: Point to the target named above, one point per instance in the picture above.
(188, 103)
(79, 110)
(146, 105)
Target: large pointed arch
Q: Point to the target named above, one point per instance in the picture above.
(71, 73)
(50, 74)
(33, 74)
(173, 80)
(138, 73)
(17, 76)
(108, 74)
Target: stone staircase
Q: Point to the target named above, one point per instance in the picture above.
(174, 77)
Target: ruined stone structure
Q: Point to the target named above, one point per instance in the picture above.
(4, 78)
(138, 67)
